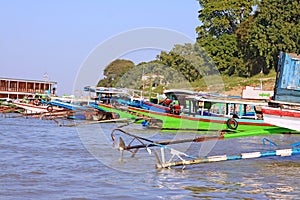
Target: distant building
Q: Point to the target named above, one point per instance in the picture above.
(20, 88)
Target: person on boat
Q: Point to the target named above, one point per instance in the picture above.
(165, 102)
(175, 108)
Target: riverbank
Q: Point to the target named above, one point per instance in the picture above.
(233, 85)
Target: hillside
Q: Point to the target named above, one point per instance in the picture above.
(138, 78)
(234, 85)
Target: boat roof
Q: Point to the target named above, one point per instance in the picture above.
(228, 100)
(180, 91)
(105, 90)
(190, 92)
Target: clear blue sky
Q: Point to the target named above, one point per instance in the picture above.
(56, 36)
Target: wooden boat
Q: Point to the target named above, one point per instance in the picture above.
(87, 110)
(245, 127)
(113, 100)
(284, 108)
(32, 108)
(196, 115)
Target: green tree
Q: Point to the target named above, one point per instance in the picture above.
(178, 63)
(252, 60)
(190, 60)
(220, 19)
(114, 71)
(275, 27)
(222, 16)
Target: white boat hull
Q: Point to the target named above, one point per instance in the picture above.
(282, 117)
(30, 108)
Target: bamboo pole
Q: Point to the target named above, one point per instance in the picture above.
(279, 152)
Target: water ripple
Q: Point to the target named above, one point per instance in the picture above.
(40, 160)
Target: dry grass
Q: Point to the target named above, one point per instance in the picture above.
(234, 85)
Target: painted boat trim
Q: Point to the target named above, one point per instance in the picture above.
(204, 118)
(282, 117)
(281, 112)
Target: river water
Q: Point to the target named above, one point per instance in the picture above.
(40, 160)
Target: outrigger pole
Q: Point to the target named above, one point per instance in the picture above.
(162, 164)
(152, 143)
(161, 160)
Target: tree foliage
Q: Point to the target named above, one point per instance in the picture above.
(220, 20)
(152, 74)
(222, 16)
(275, 27)
(246, 37)
(175, 59)
(190, 60)
(114, 71)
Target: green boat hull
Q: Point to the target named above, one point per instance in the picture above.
(246, 127)
(205, 124)
(122, 114)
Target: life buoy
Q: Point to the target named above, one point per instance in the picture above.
(50, 108)
(232, 124)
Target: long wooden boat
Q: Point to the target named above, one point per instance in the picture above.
(197, 118)
(112, 100)
(195, 115)
(170, 122)
(245, 127)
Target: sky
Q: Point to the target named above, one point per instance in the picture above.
(58, 36)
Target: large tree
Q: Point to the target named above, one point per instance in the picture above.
(275, 27)
(220, 19)
(176, 61)
(190, 60)
(223, 16)
(114, 71)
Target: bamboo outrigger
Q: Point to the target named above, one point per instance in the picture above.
(179, 158)
(161, 163)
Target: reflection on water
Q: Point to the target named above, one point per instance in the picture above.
(40, 160)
